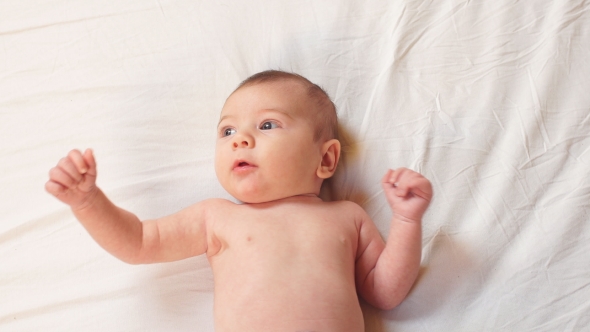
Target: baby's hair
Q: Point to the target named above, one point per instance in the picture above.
(326, 119)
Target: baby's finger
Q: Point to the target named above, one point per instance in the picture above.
(67, 165)
(78, 160)
(386, 177)
(413, 183)
(393, 175)
(418, 185)
(402, 189)
(59, 176)
(54, 188)
(397, 179)
(422, 191)
(90, 161)
(422, 184)
(390, 180)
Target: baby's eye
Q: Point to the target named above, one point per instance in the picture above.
(228, 131)
(268, 125)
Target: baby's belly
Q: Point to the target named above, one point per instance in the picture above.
(262, 290)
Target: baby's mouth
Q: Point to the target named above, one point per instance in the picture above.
(242, 164)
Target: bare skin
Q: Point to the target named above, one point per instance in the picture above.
(288, 262)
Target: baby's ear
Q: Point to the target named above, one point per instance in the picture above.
(330, 155)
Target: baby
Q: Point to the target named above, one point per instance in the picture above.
(283, 260)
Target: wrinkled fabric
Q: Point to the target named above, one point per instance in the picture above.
(488, 99)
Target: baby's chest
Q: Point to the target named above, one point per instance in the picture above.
(288, 236)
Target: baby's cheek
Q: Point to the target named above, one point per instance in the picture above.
(291, 168)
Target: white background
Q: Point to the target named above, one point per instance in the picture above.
(488, 99)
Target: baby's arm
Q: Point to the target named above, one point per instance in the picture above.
(181, 235)
(386, 272)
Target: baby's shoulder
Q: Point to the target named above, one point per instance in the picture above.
(348, 208)
(217, 204)
(211, 207)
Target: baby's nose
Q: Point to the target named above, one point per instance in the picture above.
(243, 144)
(243, 141)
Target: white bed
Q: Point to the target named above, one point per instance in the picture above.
(488, 99)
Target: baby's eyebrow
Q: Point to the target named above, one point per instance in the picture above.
(264, 110)
(275, 110)
(223, 118)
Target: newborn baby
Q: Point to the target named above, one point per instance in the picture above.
(283, 260)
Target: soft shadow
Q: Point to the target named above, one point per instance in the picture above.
(445, 258)
(444, 262)
(331, 189)
(181, 287)
(372, 316)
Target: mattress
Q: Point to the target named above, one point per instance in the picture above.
(490, 100)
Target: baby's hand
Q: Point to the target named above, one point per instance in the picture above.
(73, 180)
(407, 192)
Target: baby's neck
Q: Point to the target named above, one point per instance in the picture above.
(295, 198)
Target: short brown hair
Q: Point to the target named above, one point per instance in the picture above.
(326, 117)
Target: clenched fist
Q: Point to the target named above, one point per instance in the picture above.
(73, 179)
(408, 193)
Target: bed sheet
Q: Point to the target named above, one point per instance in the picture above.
(488, 99)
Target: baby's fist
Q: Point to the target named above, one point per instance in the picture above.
(73, 179)
(408, 193)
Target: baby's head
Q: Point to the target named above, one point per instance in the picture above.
(276, 138)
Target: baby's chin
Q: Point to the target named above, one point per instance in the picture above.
(252, 193)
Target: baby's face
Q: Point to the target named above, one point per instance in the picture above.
(265, 149)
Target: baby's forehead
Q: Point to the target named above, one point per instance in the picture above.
(281, 87)
(288, 96)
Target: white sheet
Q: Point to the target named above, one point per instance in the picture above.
(489, 99)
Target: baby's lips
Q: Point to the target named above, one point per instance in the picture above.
(242, 163)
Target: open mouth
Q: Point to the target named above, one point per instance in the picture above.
(242, 164)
